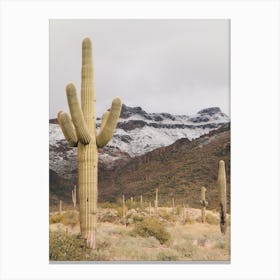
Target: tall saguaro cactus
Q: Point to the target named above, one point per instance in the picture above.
(85, 138)
(204, 203)
(222, 195)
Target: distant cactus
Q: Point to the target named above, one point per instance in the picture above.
(222, 195)
(173, 205)
(156, 202)
(60, 206)
(74, 197)
(204, 203)
(141, 201)
(123, 210)
(85, 138)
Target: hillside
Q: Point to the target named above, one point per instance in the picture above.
(178, 170)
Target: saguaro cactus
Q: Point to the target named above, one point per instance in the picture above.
(222, 195)
(123, 209)
(60, 206)
(141, 201)
(156, 202)
(204, 203)
(85, 138)
(74, 196)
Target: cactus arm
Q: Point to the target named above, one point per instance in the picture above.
(106, 132)
(77, 115)
(67, 128)
(104, 119)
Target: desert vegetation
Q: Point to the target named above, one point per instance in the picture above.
(144, 236)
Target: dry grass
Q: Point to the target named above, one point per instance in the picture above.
(189, 241)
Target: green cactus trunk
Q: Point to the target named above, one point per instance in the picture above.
(222, 195)
(84, 136)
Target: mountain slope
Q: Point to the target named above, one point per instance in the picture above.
(137, 133)
(178, 170)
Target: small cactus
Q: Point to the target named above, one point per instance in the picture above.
(221, 182)
(74, 197)
(123, 210)
(60, 207)
(156, 202)
(204, 203)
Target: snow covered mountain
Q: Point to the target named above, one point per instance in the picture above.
(137, 133)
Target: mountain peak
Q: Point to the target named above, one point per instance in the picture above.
(127, 111)
(210, 111)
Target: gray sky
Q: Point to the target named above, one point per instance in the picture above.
(174, 66)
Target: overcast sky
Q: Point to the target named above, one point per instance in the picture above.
(174, 66)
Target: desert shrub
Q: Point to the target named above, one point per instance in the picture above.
(56, 218)
(70, 218)
(120, 211)
(186, 248)
(167, 255)
(211, 219)
(103, 244)
(107, 205)
(152, 227)
(130, 204)
(134, 217)
(110, 216)
(188, 220)
(65, 247)
(166, 215)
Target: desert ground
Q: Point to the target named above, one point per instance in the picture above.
(140, 234)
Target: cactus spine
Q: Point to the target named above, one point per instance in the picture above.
(85, 138)
(204, 203)
(74, 197)
(156, 202)
(222, 195)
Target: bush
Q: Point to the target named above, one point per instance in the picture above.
(164, 214)
(152, 227)
(70, 218)
(211, 219)
(107, 205)
(56, 218)
(109, 216)
(65, 247)
(167, 256)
